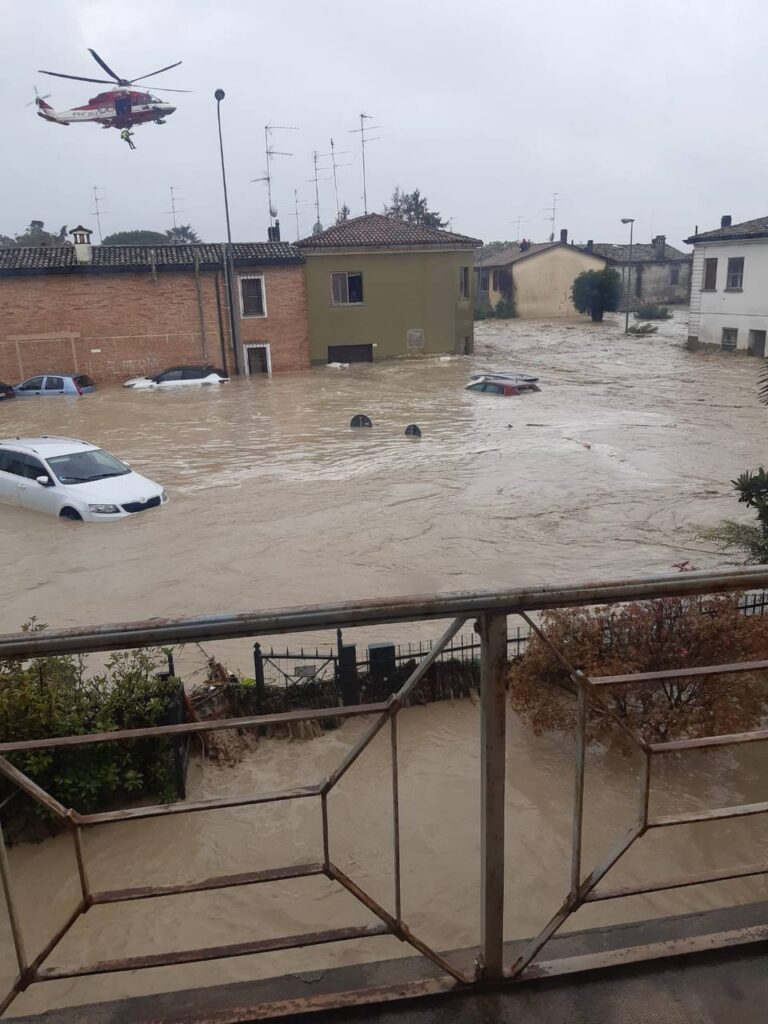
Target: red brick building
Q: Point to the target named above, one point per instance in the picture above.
(117, 311)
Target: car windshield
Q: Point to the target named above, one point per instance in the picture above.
(83, 467)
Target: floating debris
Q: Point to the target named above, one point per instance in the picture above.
(412, 430)
(361, 420)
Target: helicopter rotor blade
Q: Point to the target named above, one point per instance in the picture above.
(77, 78)
(161, 89)
(106, 67)
(152, 73)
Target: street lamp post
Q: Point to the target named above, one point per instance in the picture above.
(631, 222)
(228, 263)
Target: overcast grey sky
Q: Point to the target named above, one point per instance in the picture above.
(648, 109)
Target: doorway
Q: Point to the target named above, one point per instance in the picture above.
(756, 344)
(258, 359)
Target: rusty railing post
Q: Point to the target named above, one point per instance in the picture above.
(258, 675)
(492, 627)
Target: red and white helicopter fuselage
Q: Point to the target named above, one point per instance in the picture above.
(116, 108)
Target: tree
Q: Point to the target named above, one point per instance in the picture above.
(343, 214)
(136, 238)
(646, 636)
(183, 234)
(596, 292)
(493, 249)
(413, 208)
(35, 235)
(748, 542)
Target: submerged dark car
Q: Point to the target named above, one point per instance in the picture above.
(6, 391)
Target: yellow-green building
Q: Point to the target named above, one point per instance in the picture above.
(538, 276)
(378, 288)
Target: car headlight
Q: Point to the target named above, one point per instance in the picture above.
(106, 509)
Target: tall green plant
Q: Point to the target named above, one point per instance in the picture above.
(596, 292)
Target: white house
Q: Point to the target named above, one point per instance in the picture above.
(729, 287)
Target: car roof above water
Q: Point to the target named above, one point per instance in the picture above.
(46, 446)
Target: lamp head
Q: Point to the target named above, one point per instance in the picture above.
(627, 220)
(219, 94)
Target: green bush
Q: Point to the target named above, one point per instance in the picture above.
(483, 308)
(54, 697)
(505, 309)
(596, 292)
(650, 311)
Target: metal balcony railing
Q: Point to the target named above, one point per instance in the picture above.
(491, 610)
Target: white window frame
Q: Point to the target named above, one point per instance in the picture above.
(347, 274)
(734, 275)
(257, 344)
(250, 277)
(730, 347)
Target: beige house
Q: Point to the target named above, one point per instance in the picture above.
(539, 275)
(378, 288)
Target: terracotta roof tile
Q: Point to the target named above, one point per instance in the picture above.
(757, 228)
(641, 252)
(375, 229)
(105, 258)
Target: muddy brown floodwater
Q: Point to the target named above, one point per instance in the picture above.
(609, 470)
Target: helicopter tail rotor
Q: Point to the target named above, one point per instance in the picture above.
(38, 101)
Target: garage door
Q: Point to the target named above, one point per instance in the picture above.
(350, 353)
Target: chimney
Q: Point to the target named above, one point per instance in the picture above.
(564, 235)
(83, 249)
(590, 245)
(725, 221)
(525, 245)
(273, 234)
(659, 244)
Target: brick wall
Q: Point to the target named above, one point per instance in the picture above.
(114, 326)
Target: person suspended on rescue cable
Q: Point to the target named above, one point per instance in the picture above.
(125, 135)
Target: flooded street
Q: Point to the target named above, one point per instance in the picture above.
(275, 501)
(629, 448)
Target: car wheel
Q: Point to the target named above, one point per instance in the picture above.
(69, 513)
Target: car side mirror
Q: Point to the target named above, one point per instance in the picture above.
(44, 481)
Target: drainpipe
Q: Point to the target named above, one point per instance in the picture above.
(203, 342)
(221, 325)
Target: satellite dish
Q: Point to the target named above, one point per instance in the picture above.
(273, 211)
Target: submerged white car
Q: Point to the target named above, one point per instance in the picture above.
(179, 377)
(72, 479)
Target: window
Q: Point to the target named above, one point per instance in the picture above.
(20, 464)
(495, 281)
(735, 273)
(463, 282)
(54, 384)
(493, 389)
(194, 373)
(484, 278)
(710, 275)
(252, 295)
(82, 467)
(730, 336)
(34, 384)
(347, 288)
(638, 283)
(674, 275)
(175, 374)
(414, 339)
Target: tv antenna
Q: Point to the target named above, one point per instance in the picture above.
(333, 154)
(552, 210)
(173, 189)
(315, 158)
(519, 220)
(98, 211)
(364, 140)
(296, 204)
(269, 153)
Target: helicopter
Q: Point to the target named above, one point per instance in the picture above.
(120, 107)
